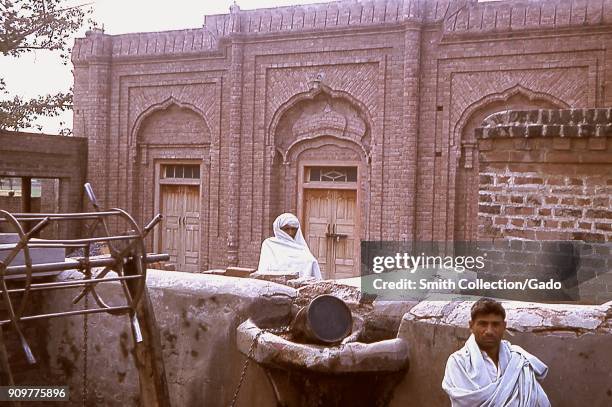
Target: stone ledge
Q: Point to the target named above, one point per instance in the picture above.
(574, 123)
(523, 316)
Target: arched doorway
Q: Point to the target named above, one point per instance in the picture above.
(173, 142)
(321, 142)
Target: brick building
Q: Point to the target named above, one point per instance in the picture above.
(358, 116)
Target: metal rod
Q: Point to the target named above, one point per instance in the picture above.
(89, 240)
(76, 264)
(61, 216)
(56, 245)
(41, 243)
(69, 313)
(71, 284)
(38, 227)
(152, 224)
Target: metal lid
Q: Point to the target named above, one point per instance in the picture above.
(329, 318)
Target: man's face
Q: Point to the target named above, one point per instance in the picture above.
(488, 329)
(290, 230)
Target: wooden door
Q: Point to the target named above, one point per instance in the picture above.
(180, 232)
(330, 228)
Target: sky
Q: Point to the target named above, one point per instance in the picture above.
(43, 72)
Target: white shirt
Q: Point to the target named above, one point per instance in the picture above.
(492, 369)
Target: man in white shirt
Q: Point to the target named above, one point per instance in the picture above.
(489, 371)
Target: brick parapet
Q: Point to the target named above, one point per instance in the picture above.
(284, 20)
(457, 17)
(513, 16)
(180, 43)
(323, 16)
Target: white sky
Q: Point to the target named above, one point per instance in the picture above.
(42, 72)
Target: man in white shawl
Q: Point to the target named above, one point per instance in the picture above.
(287, 251)
(489, 371)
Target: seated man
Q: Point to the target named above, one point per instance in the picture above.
(287, 251)
(489, 371)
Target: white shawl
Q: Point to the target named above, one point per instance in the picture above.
(468, 385)
(282, 254)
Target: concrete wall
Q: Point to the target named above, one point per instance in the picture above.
(198, 315)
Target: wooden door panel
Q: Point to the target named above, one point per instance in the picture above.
(171, 209)
(191, 227)
(345, 253)
(317, 215)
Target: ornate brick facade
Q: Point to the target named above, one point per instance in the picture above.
(394, 88)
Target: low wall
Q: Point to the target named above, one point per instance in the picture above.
(197, 315)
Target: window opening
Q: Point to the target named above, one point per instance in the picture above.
(181, 171)
(332, 174)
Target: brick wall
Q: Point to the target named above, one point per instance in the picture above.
(477, 17)
(46, 156)
(545, 180)
(13, 204)
(546, 176)
(408, 68)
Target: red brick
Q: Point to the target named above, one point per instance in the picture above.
(599, 214)
(607, 227)
(528, 180)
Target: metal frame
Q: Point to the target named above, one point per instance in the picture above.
(128, 262)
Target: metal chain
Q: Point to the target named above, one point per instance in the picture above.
(275, 331)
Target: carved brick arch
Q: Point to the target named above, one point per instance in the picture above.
(488, 103)
(354, 126)
(302, 145)
(305, 143)
(464, 182)
(168, 105)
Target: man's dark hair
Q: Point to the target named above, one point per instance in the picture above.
(486, 306)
